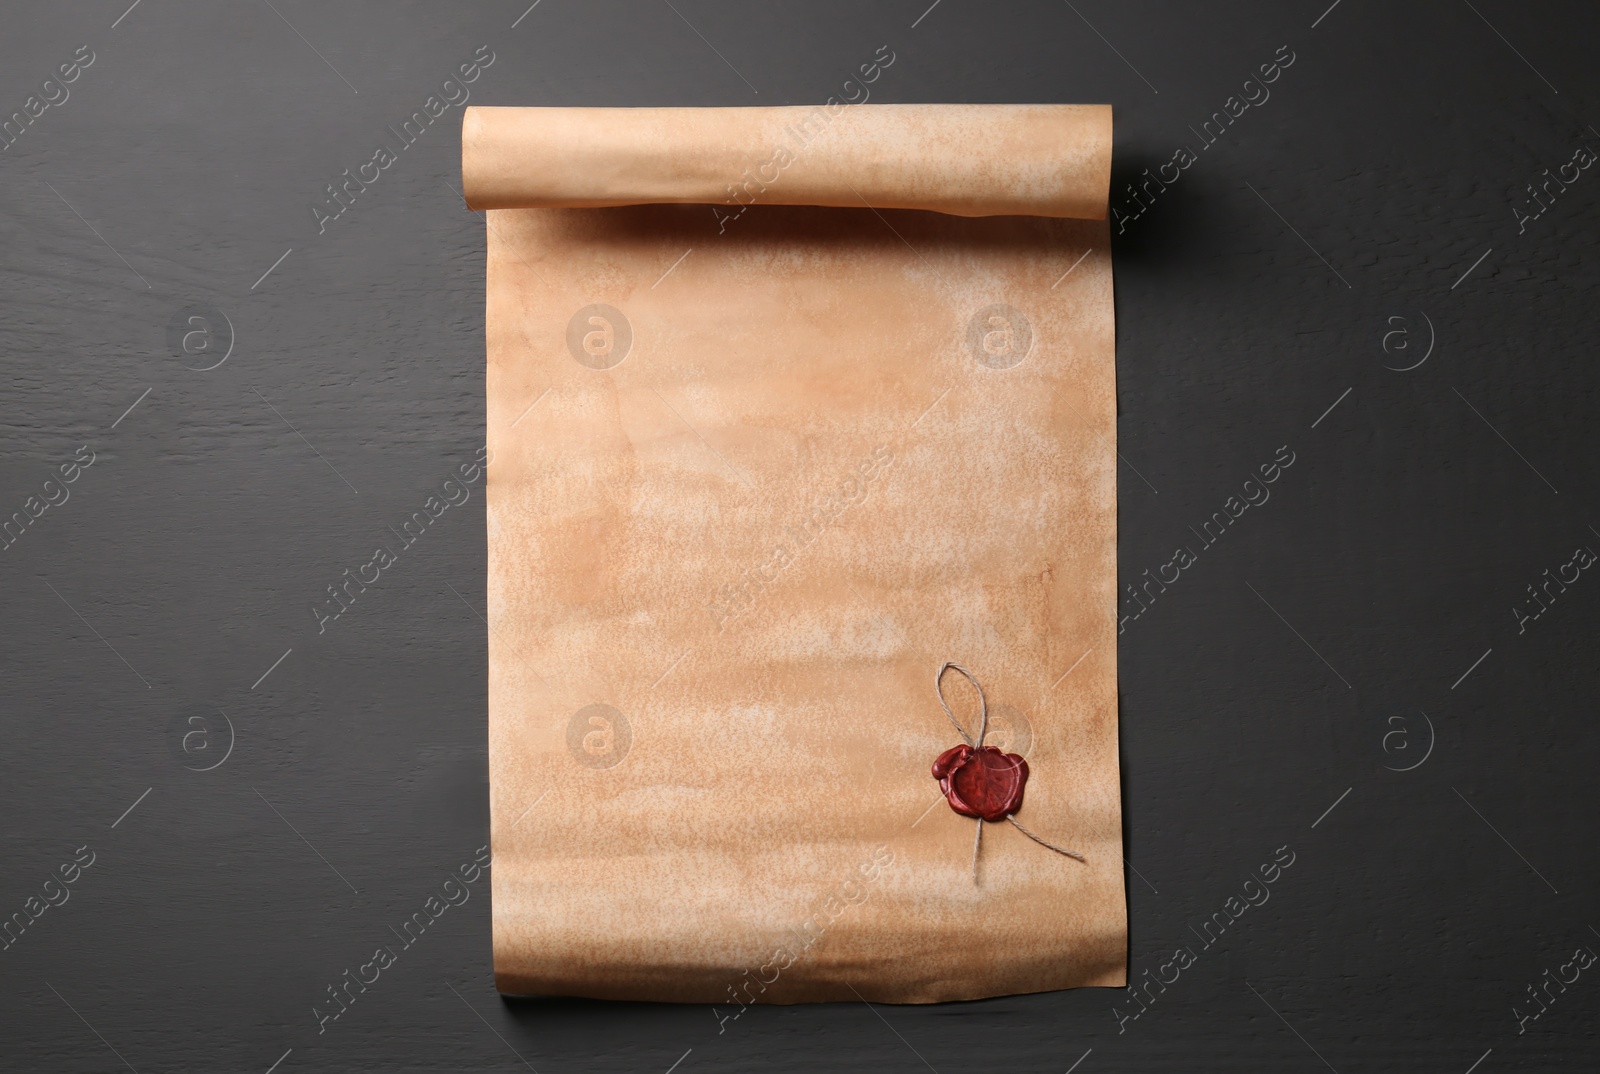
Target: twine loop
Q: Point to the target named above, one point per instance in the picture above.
(983, 704)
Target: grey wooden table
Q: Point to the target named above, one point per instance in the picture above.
(1357, 245)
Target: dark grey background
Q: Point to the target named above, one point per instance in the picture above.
(1257, 691)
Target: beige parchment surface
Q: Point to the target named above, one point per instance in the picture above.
(801, 458)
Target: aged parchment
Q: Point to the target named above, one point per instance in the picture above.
(786, 407)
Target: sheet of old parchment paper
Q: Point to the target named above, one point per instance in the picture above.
(762, 459)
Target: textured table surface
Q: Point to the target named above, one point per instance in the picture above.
(1358, 743)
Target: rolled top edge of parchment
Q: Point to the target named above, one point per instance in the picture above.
(959, 159)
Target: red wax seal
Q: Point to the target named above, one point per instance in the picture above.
(981, 782)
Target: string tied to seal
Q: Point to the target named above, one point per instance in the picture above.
(982, 781)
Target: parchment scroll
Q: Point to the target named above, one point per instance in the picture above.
(786, 407)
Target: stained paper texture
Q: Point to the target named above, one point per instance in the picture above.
(787, 407)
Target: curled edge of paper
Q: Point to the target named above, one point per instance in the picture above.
(963, 160)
